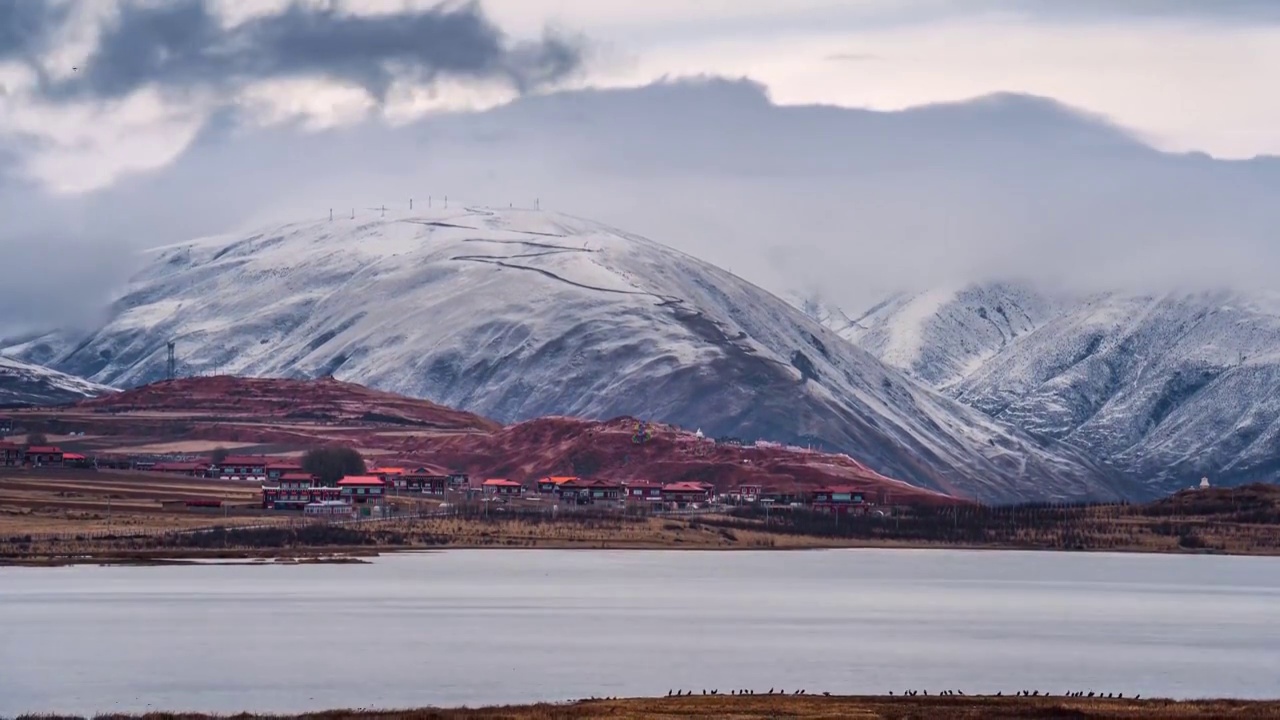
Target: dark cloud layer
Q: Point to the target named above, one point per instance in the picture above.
(182, 45)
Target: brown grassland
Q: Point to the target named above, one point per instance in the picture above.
(812, 707)
(61, 516)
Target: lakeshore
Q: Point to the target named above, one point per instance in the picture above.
(798, 707)
(1220, 522)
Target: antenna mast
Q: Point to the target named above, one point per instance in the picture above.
(172, 367)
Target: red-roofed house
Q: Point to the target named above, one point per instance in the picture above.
(588, 492)
(362, 489)
(643, 491)
(502, 486)
(10, 454)
(838, 499)
(551, 485)
(294, 491)
(44, 456)
(685, 493)
(74, 460)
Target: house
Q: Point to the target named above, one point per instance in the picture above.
(551, 485)
(240, 467)
(6, 425)
(643, 491)
(389, 475)
(279, 468)
(44, 456)
(590, 492)
(459, 480)
(423, 482)
(837, 499)
(362, 489)
(683, 494)
(295, 491)
(748, 493)
(10, 454)
(330, 509)
(503, 487)
(75, 460)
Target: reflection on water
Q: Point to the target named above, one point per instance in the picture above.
(479, 627)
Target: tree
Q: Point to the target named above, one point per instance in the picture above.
(218, 456)
(331, 464)
(37, 438)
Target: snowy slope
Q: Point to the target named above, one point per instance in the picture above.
(1168, 388)
(22, 383)
(941, 336)
(516, 314)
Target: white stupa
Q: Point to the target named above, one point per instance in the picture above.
(1204, 483)
(699, 434)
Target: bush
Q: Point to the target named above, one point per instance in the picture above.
(331, 464)
(37, 438)
(218, 456)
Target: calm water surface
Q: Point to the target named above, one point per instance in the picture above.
(479, 627)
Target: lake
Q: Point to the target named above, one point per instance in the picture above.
(508, 626)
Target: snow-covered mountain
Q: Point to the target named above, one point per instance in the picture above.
(942, 335)
(1163, 388)
(515, 314)
(1167, 388)
(22, 383)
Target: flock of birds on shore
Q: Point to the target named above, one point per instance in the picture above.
(914, 693)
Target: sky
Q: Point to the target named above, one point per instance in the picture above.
(130, 123)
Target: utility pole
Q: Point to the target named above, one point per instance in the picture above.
(384, 211)
(330, 214)
(446, 202)
(537, 203)
(353, 213)
(410, 203)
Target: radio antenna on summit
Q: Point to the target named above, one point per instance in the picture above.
(172, 365)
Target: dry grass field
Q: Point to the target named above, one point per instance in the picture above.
(66, 501)
(811, 707)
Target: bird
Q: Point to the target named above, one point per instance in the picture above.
(1135, 697)
(770, 691)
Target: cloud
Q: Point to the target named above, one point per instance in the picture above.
(185, 46)
(850, 203)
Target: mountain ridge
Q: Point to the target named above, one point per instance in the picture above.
(1163, 387)
(515, 314)
(25, 384)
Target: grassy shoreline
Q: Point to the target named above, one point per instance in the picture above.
(1243, 521)
(354, 545)
(801, 707)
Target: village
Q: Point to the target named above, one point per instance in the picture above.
(286, 487)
